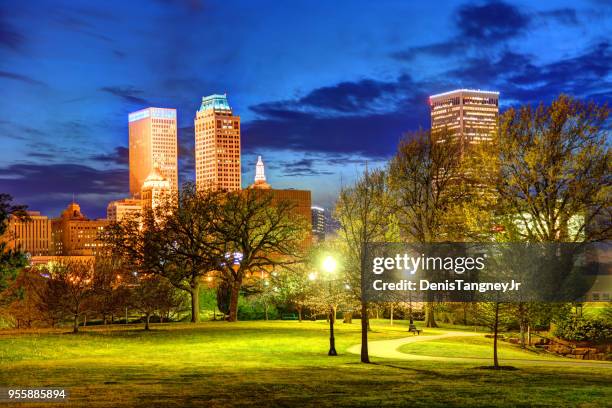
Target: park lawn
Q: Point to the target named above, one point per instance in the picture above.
(222, 364)
(474, 347)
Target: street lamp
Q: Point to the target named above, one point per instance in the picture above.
(329, 266)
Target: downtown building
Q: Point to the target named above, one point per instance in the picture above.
(217, 145)
(464, 115)
(31, 235)
(74, 234)
(319, 223)
(152, 142)
(301, 199)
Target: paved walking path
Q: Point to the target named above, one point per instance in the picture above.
(390, 349)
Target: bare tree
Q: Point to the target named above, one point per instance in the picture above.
(363, 213)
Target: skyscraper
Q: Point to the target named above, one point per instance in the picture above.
(469, 116)
(217, 145)
(319, 223)
(153, 139)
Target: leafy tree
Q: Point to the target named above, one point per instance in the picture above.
(11, 261)
(256, 233)
(189, 241)
(69, 286)
(556, 171)
(110, 292)
(428, 183)
(363, 212)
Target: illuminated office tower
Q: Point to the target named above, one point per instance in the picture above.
(319, 224)
(217, 145)
(153, 139)
(469, 116)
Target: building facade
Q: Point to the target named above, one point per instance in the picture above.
(31, 235)
(301, 199)
(155, 189)
(152, 139)
(319, 223)
(74, 234)
(217, 145)
(465, 115)
(130, 208)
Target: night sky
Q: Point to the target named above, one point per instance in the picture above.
(321, 86)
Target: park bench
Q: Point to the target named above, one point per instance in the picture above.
(413, 329)
(289, 316)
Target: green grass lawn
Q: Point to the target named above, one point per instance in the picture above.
(473, 347)
(222, 364)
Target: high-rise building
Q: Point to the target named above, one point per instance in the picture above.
(217, 145)
(319, 223)
(74, 234)
(31, 235)
(117, 210)
(153, 139)
(468, 116)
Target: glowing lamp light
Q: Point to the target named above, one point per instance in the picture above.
(329, 264)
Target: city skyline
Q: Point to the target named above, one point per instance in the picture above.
(343, 96)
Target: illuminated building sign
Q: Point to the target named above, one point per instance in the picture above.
(158, 113)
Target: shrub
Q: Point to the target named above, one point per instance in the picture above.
(578, 328)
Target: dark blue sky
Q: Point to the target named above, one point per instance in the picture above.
(321, 86)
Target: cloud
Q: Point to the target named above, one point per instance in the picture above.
(119, 156)
(564, 16)
(46, 187)
(491, 21)
(303, 168)
(128, 94)
(20, 77)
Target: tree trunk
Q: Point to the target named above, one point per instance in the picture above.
(266, 310)
(365, 325)
(147, 321)
(233, 309)
(195, 300)
(299, 310)
(75, 328)
(430, 319)
(391, 315)
(495, 329)
(348, 317)
(529, 334)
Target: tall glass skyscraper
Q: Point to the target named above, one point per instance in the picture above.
(217, 145)
(153, 141)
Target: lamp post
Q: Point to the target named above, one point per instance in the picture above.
(329, 266)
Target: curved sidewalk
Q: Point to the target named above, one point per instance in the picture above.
(390, 349)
